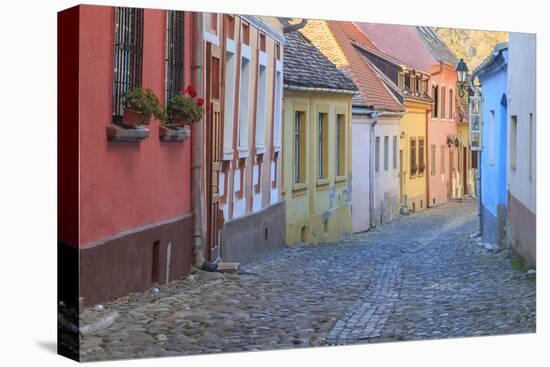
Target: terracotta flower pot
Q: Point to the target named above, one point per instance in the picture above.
(132, 117)
(180, 121)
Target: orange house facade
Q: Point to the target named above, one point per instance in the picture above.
(243, 86)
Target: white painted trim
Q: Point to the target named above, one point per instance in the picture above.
(231, 46)
(262, 59)
(212, 38)
(245, 51)
(279, 66)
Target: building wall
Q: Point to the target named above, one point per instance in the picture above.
(443, 184)
(493, 156)
(317, 210)
(361, 155)
(413, 124)
(258, 161)
(386, 182)
(522, 177)
(463, 132)
(127, 189)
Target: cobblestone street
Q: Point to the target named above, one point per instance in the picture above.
(421, 276)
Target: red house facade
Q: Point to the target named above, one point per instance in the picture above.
(124, 194)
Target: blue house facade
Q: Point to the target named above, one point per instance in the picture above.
(493, 76)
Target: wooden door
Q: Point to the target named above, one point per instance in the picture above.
(450, 186)
(213, 150)
(401, 176)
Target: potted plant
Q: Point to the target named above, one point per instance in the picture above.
(139, 106)
(184, 109)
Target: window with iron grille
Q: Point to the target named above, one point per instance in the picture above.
(175, 43)
(128, 55)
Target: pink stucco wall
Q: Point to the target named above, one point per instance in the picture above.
(125, 185)
(438, 130)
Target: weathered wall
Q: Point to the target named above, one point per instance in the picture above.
(318, 210)
(246, 238)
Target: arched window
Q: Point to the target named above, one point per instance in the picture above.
(451, 111)
(436, 101)
(442, 109)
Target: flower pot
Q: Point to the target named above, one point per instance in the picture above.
(179, 121)
(132, 117)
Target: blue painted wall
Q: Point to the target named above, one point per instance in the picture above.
(494, 84)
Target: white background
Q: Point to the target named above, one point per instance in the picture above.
(28, 182)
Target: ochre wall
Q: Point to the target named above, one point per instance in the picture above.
(307, 203)
(413, 124)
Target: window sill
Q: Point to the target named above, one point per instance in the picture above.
(118, 133)
(322, 183)
(340, 178)
(242, 152)
(174, 133)
(299, 187)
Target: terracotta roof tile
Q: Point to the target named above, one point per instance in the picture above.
(373, 91)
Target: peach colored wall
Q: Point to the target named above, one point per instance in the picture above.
(438, 130)
(125, 185)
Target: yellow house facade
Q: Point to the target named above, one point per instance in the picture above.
(316, 171)
(413, 169)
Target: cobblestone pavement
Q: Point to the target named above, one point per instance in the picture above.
(421, 276)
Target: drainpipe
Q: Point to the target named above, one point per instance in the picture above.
(197, 153)
(371, 169)
(478, 178)
(427, 173)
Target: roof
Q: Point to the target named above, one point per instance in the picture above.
(398, 41)
(306, 66)
(373, 91)
(437, 46)
(492, 58)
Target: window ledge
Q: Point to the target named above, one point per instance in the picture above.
(117, 133)
(299, 186)
(174, 133)
(340, 178)
(322, 182)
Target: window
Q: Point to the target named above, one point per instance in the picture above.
(299, 146)
(386, 152)
(261, 108)
(230, 26)
(322, 159)
(262, 42)
(340, 144)
(174, 53)
(244, 102)
(128, 56)
(401, 81)
(377, 154)
(432, 165)
(531, 147)
(435, 98)
(442, 107)
(211, 21)
(422, 164)
(245, 33)
(408, 81)
(394, 152)
(257, 173)
(513, 141)
(451, 111)
(443, 158)
(239, 179)
(414, 167)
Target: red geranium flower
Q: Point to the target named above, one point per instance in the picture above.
(200, 101)
(190, 91)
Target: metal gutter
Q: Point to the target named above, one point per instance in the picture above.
(317, 89)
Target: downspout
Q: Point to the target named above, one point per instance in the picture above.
(196, 168)
(371, 169)
(427, 148)
(478, 178)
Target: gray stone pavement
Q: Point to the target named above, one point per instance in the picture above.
(421, 276)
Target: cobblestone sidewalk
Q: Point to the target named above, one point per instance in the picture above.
(419, 277)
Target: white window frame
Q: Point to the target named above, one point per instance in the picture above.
(277, 131)
(244, 101)
(229, 96)
(262, 104)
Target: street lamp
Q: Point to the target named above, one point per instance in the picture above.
(461, 74)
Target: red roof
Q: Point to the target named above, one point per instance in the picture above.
(372, 89)
(398, 41)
